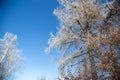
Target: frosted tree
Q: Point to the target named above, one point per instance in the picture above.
(10, 56)
(89, 36)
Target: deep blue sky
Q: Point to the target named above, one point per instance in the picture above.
(32, 21)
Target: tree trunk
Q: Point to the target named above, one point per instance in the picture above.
(93, 66)
(91, 57)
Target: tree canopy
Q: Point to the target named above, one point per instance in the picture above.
(89, 39)
(10, 56)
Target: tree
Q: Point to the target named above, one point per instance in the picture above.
(89, 35)
(41, 78)
(10, 56)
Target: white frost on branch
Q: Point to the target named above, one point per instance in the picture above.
(10, 55)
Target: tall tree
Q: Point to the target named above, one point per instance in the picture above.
(10, 56)
(89, 34)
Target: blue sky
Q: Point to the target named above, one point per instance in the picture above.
(32, 21)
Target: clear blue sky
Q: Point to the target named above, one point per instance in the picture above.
(32, 21)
